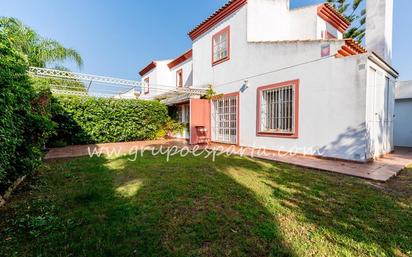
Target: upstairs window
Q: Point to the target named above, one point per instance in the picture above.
(278, 110)
(179, 78)
(221, 46)
(329, 35)
(146, 85)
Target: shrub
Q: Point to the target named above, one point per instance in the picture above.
(24, 117)
(83, 120)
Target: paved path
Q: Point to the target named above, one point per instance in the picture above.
(380, 170)
(110, 148)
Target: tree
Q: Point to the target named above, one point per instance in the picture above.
(38, 50)
(352, 10)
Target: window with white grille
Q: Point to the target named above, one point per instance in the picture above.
(221, 45)
(277, 110)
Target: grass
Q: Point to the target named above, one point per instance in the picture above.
(195, 207)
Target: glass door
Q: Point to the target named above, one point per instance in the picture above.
(224, 120)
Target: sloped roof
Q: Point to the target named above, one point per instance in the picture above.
(351, 47)
(332, 16)
(148, 68)
(229, 8)
(186, 56)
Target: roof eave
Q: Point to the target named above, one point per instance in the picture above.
(148, 68)
(383, 64)
(229, 8)
(182, 58)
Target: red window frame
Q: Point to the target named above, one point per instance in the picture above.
(179, 78)
(295, 134)
(147, 83)
(329, 35)
(225, 30)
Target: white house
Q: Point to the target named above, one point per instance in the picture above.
(289, 80)
(403, 117)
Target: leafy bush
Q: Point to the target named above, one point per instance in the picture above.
(83, 120)
(173, 127)
(24, 117)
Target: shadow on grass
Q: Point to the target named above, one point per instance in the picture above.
(347, 212)
(147, 207)
(195, 207)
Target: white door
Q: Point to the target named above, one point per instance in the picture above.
(374, 117)
(388, 117)
(224, 120)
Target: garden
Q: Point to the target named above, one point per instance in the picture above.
(192, 206)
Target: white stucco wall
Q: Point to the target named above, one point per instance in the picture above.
(332, 90)
(272, 20)
(267, 20)
(187, 72)
(160, 80)
(249, 58)
(403, 110)
(165, 78)
(379, 27)
(337, 105)
(303, 23)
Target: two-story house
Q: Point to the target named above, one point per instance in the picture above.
(287, 80)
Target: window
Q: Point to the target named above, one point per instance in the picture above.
(179, 78)
(146, 85)
(221, 46)
(278, 109)
(329, 35)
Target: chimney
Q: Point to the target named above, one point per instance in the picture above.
(379, 23)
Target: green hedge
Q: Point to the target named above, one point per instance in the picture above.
(24, 117)
(82, 120)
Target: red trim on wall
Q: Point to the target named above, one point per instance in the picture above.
(179, 73)
(272, 134)
(148, 68)
(227, 58)
(147, 82)
(217, 17)
(333, 17)
(180, 59)
(237, 94)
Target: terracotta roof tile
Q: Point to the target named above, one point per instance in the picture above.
(216, 17)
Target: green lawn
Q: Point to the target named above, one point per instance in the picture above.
(196, 207)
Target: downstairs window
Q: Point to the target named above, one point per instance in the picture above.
(278, 109)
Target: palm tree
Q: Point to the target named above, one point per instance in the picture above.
(39, 51)
(352, 10)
